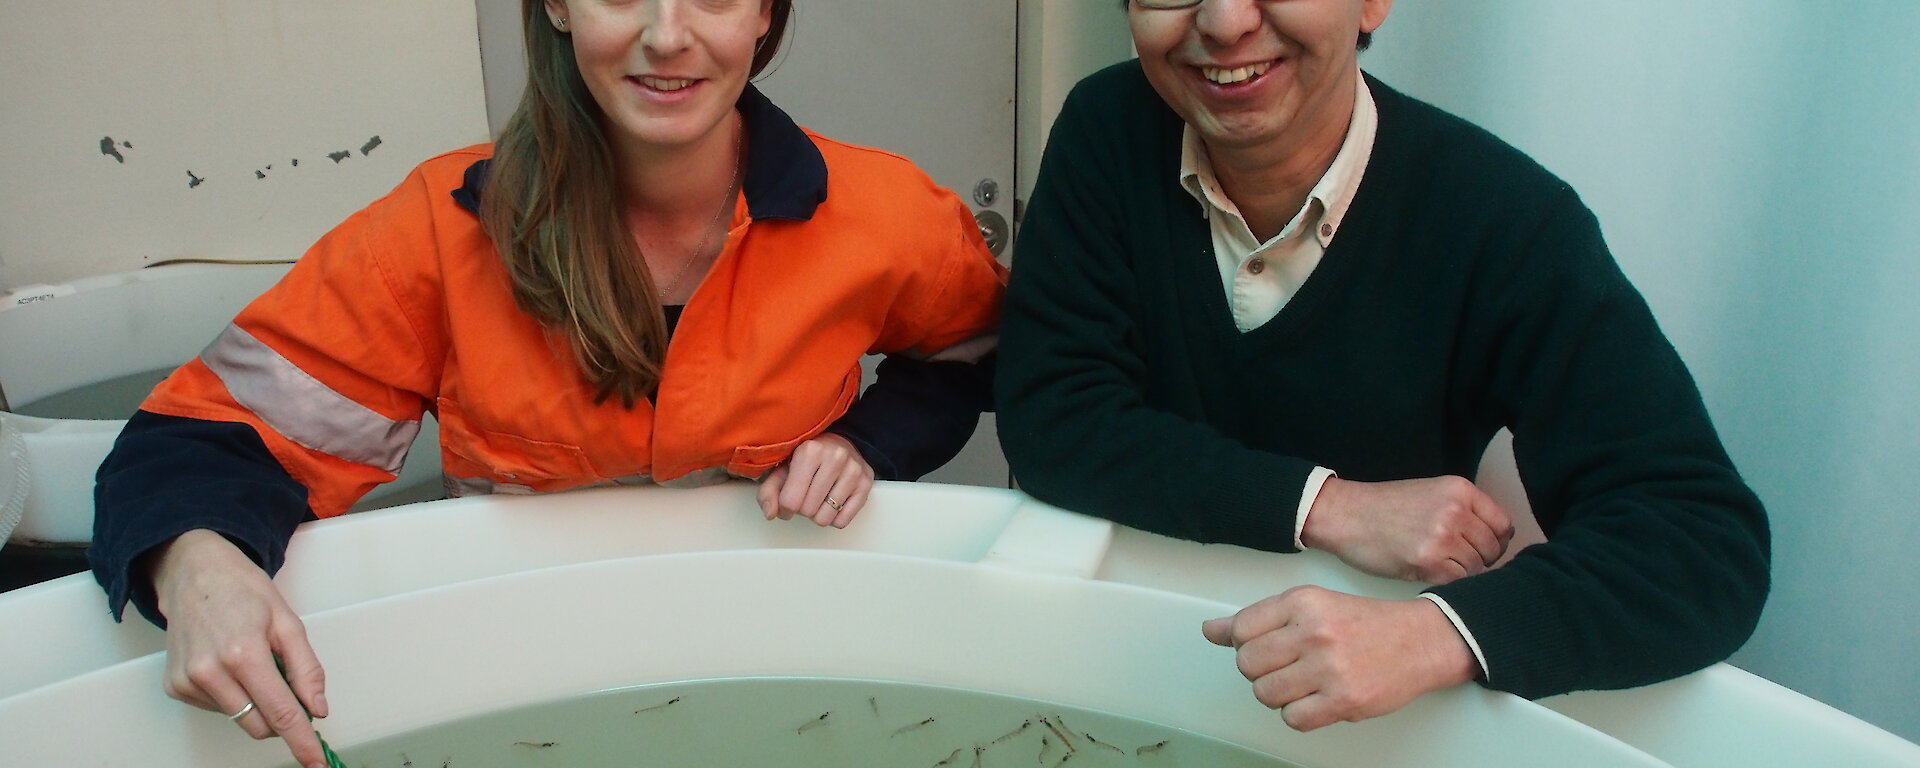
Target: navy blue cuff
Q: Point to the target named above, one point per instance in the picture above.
(917, 414)
(168, 475)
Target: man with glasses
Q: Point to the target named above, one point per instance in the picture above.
(1263, 299)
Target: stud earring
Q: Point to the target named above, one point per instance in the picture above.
(560, 23)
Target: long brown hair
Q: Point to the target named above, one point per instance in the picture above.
(551, 207)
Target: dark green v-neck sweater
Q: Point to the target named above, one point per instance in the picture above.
(1468, 289)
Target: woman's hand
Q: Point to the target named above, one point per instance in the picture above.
(225, 623)
(826, 481)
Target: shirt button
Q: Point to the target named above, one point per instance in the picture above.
(1257, 266)
(1326, 230)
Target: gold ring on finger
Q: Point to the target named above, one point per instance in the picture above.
(832, 503)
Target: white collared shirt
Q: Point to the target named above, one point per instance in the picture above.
(1261, 277)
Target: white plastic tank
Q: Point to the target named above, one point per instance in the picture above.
(77, 359)
(481, 630)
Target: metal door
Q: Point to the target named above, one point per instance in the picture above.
(933, 81)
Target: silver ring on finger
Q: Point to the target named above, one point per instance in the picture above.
(831, 502)
(235, 717)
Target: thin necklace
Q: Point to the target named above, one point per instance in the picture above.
(726, 204)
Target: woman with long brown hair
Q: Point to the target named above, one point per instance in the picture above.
(652, 276)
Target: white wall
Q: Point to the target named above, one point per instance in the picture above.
(1756, 170)
(249, 98)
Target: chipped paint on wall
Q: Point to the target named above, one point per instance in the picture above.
(110, 147)
(264, 80)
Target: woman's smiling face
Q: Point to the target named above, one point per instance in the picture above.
(664, 72)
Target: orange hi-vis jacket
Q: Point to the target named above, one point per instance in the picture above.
(406, 307)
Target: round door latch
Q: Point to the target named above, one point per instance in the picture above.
(993, 227)
(986, 192)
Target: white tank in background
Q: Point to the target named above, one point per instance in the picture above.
(77, 359)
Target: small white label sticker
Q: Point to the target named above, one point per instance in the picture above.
(35, 294)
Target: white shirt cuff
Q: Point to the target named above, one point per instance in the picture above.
(1307, 494)
(1461, 627)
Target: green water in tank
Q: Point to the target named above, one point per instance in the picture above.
(798, 723)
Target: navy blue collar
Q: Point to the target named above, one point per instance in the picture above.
(786, 176)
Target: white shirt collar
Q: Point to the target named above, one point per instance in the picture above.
(1331, 196)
